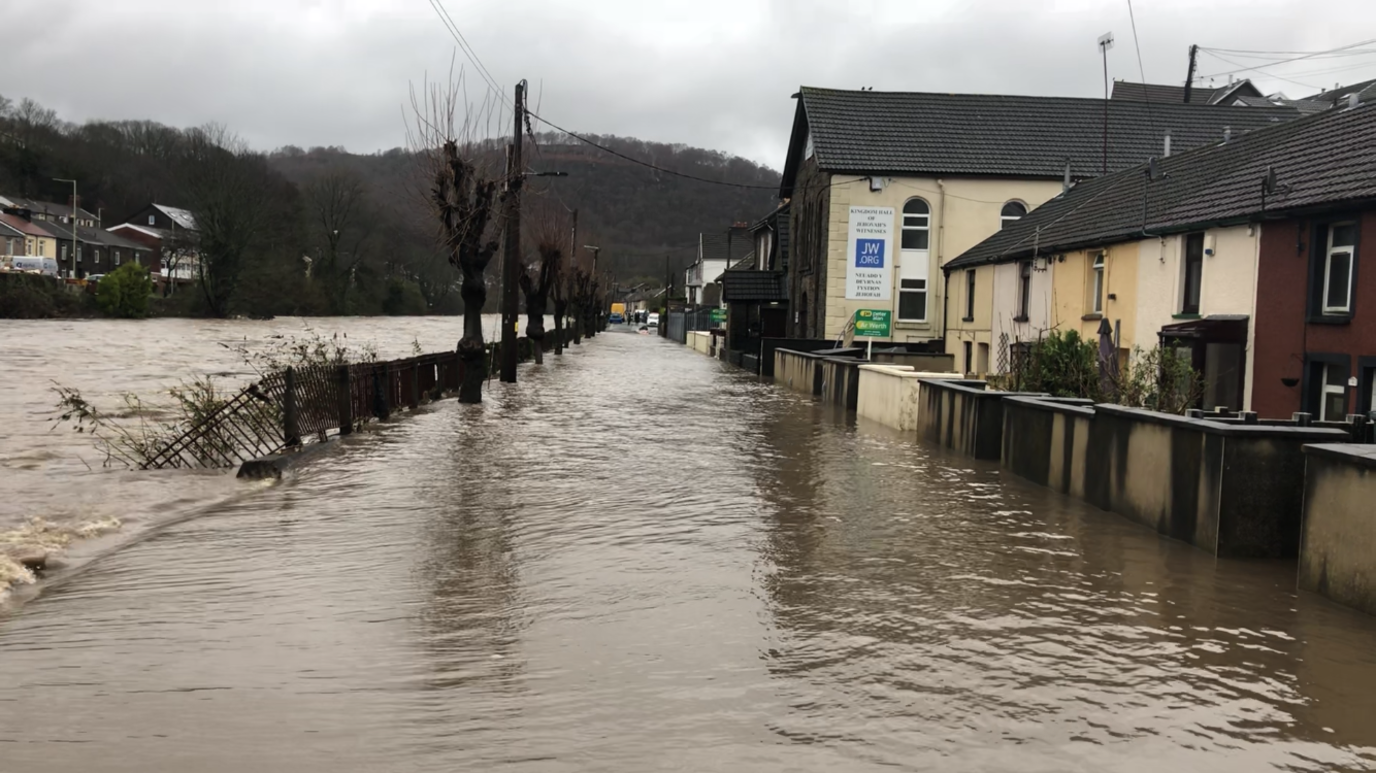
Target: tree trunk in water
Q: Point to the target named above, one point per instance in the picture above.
(559, 309)
(472, 353)
(577, 319)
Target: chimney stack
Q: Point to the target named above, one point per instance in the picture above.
(1166, 149)
(1227, 133)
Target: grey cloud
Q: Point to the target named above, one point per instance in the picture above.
(708, 73)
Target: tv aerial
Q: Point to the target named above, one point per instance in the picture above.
(1106, 41)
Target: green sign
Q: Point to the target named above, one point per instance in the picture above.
(872, 322)
(718, 316)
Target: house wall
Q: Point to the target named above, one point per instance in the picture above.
(1072, 283)
(807, 279)
(963, 212)
(978, 331)
(1008, 329)
(1283, 334)
(1227, 286)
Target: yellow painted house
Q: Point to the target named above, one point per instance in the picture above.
(1158, 272)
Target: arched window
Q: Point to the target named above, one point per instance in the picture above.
(916, 224)
(1013, 210)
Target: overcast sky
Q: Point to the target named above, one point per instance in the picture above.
(712, 73)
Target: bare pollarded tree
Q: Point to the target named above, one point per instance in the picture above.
(541, 283)
(464, 193)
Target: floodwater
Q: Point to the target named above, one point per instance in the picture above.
(641, 559)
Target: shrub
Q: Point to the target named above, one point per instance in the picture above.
(1061, 364)
(1159, 380)
(124, 292)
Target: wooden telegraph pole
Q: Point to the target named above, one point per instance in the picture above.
(511, 255)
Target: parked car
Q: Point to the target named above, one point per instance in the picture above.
(615, 318)
(94, 278)
(653, 321)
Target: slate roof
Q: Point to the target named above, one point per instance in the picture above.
(876, 132)
(25, 227)
(751, 285)
(1324, 160)
(63, 232)
(718, 246)
(183, 218)
(1366, 90)
(1199, 95)
(48, 208)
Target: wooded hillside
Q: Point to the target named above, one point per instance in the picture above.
(380, 256)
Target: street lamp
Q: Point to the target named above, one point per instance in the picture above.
(75, 239)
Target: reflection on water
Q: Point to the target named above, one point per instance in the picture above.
(638, 559)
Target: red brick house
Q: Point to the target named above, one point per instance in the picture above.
(1316, 341)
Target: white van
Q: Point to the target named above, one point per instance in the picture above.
(44, 266)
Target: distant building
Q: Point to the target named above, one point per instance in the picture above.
(170, 234)
(716, 253)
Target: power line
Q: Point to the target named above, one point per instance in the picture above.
(1214, 52)
(647, 164)
(468, 52)
(1244, 69)
(1140, 69)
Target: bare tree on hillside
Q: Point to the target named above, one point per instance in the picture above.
(226, 187)
(465, 201)
(335, 206)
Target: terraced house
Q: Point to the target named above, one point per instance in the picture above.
(1247, 253)
(886, 187)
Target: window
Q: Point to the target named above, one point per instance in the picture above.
(1333, 404)
(969, 295)
(912, 287)
(119, 256)
(42, 248)
(1013, 211)
(151, 220)
(1337, 268)
(1096, 301)
(1024, 290)
(28, 247)
(95, 252)
(916, 217)
(62, 251)
(1193, 274)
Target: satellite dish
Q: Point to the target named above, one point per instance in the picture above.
(1106, 41)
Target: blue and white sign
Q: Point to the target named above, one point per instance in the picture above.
(869, 270)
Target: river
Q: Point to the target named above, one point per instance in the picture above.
(638, 559)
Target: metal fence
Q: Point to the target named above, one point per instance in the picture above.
(294, 406)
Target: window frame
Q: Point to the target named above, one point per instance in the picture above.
(1319, 240)
(1327, 269)
(1024, 291)
(1098, 282)
(1005, 219)
(970, 281)
(1316, 388)
(1186, 286)
(925, 229)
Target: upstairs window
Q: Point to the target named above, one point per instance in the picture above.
(969, 294)
(1337, 268)
(1193, 274)
(151, 220)
(1096, 303)
(912, 288)
(1024, 290)
(1012, 212)
(916, 224)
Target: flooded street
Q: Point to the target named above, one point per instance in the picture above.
(638, 559)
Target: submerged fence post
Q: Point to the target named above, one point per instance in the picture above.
(413, 397)
(346, 400)
(290, 434)
(382, 388)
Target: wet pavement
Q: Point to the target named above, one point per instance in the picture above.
(639, 558)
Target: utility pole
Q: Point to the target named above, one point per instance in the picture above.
(1189, 75)
(511, 255)
(597, 302)
(76, 239)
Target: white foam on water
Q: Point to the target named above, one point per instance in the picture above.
(41, 537)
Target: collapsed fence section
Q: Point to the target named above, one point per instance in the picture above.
(294, 406)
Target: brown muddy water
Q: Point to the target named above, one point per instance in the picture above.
(640, 559)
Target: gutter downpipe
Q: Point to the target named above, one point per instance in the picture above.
(940, 259)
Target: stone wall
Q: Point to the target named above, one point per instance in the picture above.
(1338, 548)
(1231, 489)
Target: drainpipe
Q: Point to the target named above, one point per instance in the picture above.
(941, 254)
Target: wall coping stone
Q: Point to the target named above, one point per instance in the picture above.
(1351, 453)
(1251, 431)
